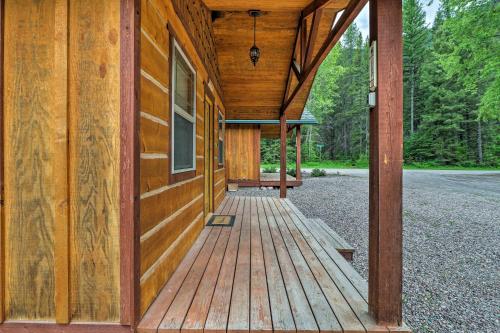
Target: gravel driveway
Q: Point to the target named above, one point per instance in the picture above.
(451, 241)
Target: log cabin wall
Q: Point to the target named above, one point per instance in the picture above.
(61, 124)
(172, 210)
(243, 152)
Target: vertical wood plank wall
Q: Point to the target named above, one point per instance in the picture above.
(243, 152)
(61, 160)
(171, 213)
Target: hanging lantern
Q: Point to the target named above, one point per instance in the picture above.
(254, 50)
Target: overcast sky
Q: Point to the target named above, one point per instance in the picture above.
(430, 10)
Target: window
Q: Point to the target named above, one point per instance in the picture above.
(184, 112)
(221, 139)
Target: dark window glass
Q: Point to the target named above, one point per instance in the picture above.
(184, 84)
(183, 143)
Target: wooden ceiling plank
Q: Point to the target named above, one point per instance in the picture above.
(348, 16)
(268, 5)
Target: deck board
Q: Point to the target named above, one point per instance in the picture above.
(301, 310)
(239, 313)
(216, 321)
(346, 317)
(273, 271)
(175, 315)
(355, 300)
(282, 318)
(260, 311)
(325, 318)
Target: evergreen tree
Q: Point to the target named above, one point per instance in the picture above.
(415, 49)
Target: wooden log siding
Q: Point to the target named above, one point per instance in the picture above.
(171, 213)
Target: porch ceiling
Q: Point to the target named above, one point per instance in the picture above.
(267, 5)
(257, 92)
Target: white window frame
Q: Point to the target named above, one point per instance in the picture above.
(222, 128)
(179, 111)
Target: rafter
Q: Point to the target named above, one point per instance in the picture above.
(349, 14)
(292, 60)
(312, 36)
(296, 69)
(314, 6)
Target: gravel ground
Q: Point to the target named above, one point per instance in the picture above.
(451, 241)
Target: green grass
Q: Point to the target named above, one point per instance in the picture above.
(364, 165)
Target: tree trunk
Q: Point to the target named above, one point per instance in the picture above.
(412, 101)
(479, 143)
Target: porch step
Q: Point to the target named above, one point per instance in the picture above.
(337, 242)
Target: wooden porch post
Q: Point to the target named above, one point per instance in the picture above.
(283, 155)
(386, 154)
(299, 157)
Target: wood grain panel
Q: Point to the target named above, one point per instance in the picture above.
(94, 106)
(155, 208)
(35, 158)
(243, 152)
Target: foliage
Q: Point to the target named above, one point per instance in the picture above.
(270, 169)
(451, 90)
(318, 173)
(292, 172)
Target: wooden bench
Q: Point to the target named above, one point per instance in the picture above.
(344, 248)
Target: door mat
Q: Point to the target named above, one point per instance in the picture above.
(221, 221)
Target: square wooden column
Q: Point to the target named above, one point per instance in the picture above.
(386, 156)
(283, 155)
(299, 156)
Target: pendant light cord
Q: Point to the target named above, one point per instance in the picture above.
(254, 27)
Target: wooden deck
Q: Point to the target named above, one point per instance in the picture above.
(273, 270)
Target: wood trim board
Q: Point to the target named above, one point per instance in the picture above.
(129, 161)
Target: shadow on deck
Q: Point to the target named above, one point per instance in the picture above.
(274, 270)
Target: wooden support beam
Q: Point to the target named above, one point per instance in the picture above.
(349, 14)
(298, 161)
(296, 69)
(314, 6)
(386, 157)
(291, 127)
(283, 156)
(129, 161)
(292, 60)
(312, 36)
(303, 42)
